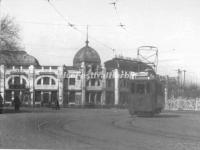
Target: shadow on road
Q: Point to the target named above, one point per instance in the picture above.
(167, 116)
(161, 116)
(12, 110)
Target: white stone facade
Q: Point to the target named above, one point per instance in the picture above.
(34, 85)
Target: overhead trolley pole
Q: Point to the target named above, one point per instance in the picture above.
(149, 55)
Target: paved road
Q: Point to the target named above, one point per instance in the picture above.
(101, 129)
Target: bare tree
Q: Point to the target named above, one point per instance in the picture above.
(9, 34)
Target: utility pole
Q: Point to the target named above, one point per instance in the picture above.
(184, 71)
(179, 81)
(166, 92)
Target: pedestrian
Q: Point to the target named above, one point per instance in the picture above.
(17, 103)
(57, 104)
(1, 104)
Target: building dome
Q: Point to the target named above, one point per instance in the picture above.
(87, 55)
(17, 58)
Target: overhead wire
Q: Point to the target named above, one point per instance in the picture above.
(60, 14)
(115, 3)
(46, 23)
(64, 24)
(74, 26)
(121, 24)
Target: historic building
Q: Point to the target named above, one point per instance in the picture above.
(87, 82)
(34, 85)
(84, 84)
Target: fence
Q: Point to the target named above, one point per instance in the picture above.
(183, 104)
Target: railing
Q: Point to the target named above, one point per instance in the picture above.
(183, 104)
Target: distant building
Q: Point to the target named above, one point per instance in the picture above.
(87, 82)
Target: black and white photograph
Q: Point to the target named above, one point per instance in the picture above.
(100, 74)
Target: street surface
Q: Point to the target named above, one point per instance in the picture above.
(99, 129)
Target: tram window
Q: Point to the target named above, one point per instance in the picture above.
(160, 91)
(46, 80)
(120, 82)
(140, 88)
(72, 81)
(133, 88)
(109, 83)
(125, 83)
(148, 88)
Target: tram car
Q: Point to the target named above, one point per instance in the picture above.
(146, 96)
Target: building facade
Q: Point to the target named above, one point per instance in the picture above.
(87, 82)
(34, 85)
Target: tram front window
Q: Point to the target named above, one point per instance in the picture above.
(140, 88)
(148, 88)
(133, 87)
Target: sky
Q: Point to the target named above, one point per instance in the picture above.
(173, 26)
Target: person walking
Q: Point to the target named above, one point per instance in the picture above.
(1, 104)
(57, 104)
(17, 103)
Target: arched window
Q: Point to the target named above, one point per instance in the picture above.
(72, 81)
(17, 83)
(46, 81)
(93, 82)
(87, 82)
(98, 83)
(93, 68)
(23, 81)
(53, 82)
(39, 82)
(10, 81)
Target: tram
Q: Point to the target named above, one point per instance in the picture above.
(146, 96)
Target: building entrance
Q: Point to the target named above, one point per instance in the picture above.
(16, 88)
(46, 98)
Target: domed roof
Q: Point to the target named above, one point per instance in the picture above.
(87, 55)
(17, 58)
